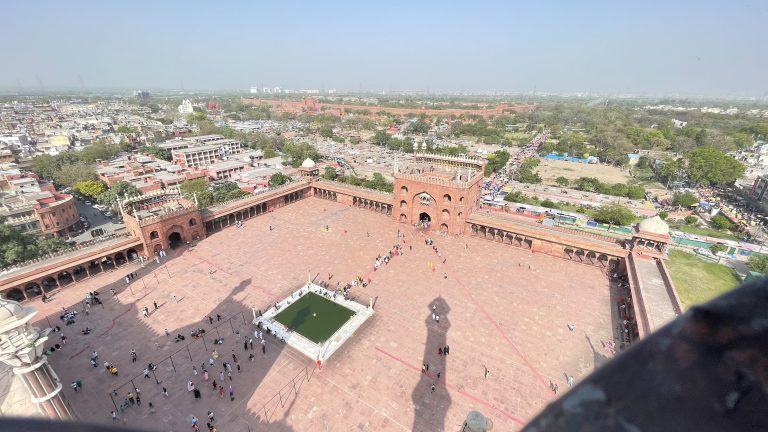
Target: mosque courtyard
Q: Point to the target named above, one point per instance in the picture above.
(502, 309)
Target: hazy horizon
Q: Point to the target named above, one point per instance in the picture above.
(650, 48)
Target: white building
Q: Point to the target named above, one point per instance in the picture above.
(186, 107)
(253, 90)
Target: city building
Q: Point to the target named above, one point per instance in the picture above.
(225, 170)
(213, 149)
(146, 173)
(35, 207)
(186, 107)
(438, 191)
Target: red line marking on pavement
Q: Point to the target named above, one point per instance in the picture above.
(496, 326)
(487, 404)
(79, 352)
(214, 266)
(114, 320)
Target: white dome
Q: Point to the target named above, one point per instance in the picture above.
(10, 309)
(308, 163)
(654, 225)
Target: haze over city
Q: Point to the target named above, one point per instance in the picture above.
(687, 48)
(290, 216)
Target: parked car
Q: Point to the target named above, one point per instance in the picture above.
(88, 203)
(108, 214)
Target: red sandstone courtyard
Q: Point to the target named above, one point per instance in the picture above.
(500, 308)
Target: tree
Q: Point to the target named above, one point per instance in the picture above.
(527, 176)
(90, 188)
(197, 189)
(548, 204)
(329, 173)
(709, 166)
(16, 246)
(684, 199)
(663, 215)
(69, 175)
(157, 152)
(279, 179)
(690, 220)
(120, 190)
(715, 248)
(614, 214)
(123, 129)
(643, 162)
(496, 161)
(269, 153)
(327, 132)
(227, 191)
(721, 222)
(98, 151)
(298, 152)
(758, 263)
(380, 138)
(196, 117)
(672, 170)
(45, 166)
(562, 181)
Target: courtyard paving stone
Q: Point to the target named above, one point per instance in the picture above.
(500, 307)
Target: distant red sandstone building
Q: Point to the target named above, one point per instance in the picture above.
(312, 106)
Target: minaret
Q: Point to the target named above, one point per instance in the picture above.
(21, 347)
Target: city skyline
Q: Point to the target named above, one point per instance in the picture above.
(688, 49)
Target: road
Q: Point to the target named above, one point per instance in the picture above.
(97, 220)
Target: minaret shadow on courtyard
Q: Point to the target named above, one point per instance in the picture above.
(172, 372)
(431, 407)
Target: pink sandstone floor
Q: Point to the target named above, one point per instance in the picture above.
(496, 312)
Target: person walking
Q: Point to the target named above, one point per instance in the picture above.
(221, 392)
(210, 417)
(194, 370)
(433, 388)
(264, 347)
(155, 304)
(114, 416)
(146, 312)
(165, 392)
(231, 394)
(194, 421)
(569, 380)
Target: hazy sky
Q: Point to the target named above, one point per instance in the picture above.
(700, 47)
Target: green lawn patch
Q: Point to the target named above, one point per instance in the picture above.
(314, 317)
(698, 281)
(699, 230)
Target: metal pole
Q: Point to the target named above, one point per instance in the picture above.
(169, 272)
(205, 344)
(145, 284)
(190, 354)
(230, 324)
(134, 385)
(154, 375)
(172, 365)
